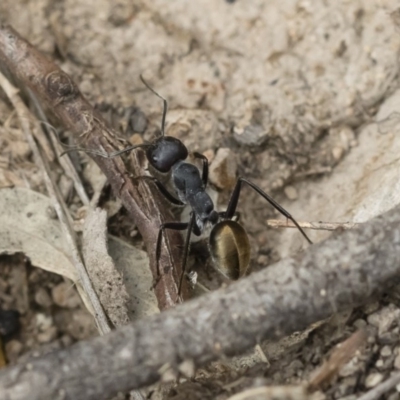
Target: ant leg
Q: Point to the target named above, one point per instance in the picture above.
(106, 155)
(230, 211)
(186, 249)
(204, 176)
(177, 226)
(162, 189)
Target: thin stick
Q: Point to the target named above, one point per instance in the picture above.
(342, 354)
(383, 388)
(275, 392)
(320, 226)
(65, 162)
(59, 205)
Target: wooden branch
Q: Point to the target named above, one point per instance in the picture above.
(143, 202)
(340, 273)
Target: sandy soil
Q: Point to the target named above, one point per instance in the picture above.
(287, 86)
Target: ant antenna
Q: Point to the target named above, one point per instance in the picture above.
(164, 102)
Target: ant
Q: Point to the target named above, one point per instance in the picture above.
(229, 243)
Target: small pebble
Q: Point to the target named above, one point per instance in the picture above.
(13, 349)
(385, 318)
(386, 351)
(86, 86)
(48, 335)
(42, 298)
(251, 135)
(349, 369)
(373, 379)
(187, 368)
(138, 121)
(291, 192)
(371, 338)
(337, 153)
(64, 295)
(397, 362)
(223, 169)
(43, 321)
(169, 375)
(360, 323)
(262, 259)
(135, 139)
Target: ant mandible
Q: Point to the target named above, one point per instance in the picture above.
(229, 243)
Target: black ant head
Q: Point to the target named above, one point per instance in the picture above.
(165, 152)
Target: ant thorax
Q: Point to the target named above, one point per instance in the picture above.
(191, 190)
(186, 181)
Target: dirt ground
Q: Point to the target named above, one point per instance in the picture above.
(298, 96)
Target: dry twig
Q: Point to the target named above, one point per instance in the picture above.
(342, 354)
(65, 162)
(146, 206)
(383, 388)
(276, 393)
(340, 273)
(59, 205)
(320, 226)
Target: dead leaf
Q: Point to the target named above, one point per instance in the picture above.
(106, 279)
(133, 265)
(28, 225)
